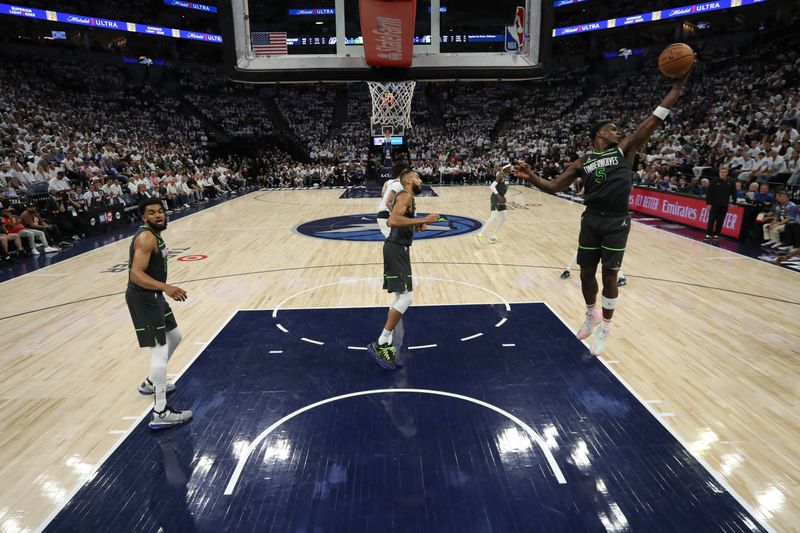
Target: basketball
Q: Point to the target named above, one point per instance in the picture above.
(676, 60)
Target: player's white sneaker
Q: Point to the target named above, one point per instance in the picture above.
(147, 388)
(494, 240)
(480, 238)
(168, 417)
(593, 319)
(600, 339)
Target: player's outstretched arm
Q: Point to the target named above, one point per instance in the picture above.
(559, 183)
(632, 144)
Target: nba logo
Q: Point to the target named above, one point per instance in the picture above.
(515, 34)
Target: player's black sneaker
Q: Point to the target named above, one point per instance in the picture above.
(383, 354)
(565, 274)
(395, 359)
(621, 282)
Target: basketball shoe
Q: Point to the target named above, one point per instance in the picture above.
(593, 319)
(480, 238)
(147, 388)
(494, 240)
(168, 417)
(383, 354)
(565, 274)
(600, 339)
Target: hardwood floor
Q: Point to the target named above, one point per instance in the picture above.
(708, 337)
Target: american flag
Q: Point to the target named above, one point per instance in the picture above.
(269, 43)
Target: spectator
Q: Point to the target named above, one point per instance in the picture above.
(59, 183)
(13, 225)
(68, 221)
(32, 220)
(775, 222)
(5, 237)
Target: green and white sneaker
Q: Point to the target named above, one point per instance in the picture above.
(383, 354)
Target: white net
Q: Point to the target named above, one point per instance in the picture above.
(391, 103)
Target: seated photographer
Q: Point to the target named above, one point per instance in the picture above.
(55, 211)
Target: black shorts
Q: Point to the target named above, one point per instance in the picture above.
(499, 207)
(396, 267)
(151, 315)
(603, 237)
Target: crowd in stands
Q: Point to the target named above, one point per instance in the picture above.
(236, 115)
(308, 110)
(68, 141)
(71, 143)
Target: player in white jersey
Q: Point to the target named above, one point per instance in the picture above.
(388, 194)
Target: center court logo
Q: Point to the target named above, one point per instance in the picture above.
(365, 228)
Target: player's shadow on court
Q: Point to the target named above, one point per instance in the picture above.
(168, 506)
(401, 417)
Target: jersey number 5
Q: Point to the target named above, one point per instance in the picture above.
(600, 175)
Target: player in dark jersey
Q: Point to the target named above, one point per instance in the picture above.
(402, 222)
(152, 317)
(607, 174)
(497, 203)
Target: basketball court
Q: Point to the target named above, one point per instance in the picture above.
(498, 420)
(680, 425)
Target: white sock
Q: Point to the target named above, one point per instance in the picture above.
(386, 337)
(158, 374)
(173, 340)
(590, 309)
(572, 261)
(485, 228)
(501, 215)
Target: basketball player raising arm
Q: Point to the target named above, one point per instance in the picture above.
(607, 174)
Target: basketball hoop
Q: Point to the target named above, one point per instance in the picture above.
(391, 103)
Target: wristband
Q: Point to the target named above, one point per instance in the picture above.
(661, 113)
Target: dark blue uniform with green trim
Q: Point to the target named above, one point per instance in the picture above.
(606, 222)
(150, 312)
(397, 254)
(502, 189)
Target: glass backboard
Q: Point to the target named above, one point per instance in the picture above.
(274, 41)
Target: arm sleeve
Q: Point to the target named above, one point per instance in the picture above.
(493, 186)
